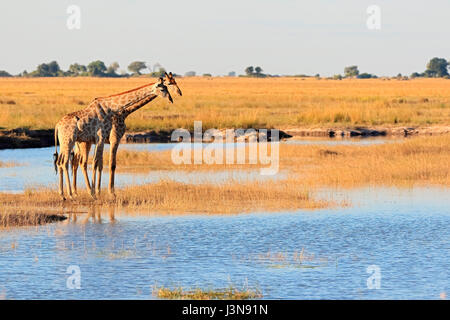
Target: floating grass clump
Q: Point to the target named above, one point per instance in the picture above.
(28, 219)
(230, 293)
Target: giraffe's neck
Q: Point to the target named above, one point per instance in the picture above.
(136, 106)
(123, 101)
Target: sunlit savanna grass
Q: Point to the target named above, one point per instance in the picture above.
(237, 102)
(411, 161)
(175, 197)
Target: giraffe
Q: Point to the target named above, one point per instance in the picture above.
(93, 125)
(81, 151)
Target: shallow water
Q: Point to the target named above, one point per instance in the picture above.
(36, 170)
(403, 232)
(36, 166)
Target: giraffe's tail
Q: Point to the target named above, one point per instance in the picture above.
(55, 155)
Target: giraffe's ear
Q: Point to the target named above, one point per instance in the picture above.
(161, 80)
(170, 74)
(165, 73)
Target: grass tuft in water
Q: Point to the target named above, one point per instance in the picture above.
(230, 293)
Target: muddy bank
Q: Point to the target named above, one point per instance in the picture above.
(28, 219)
(25, 138)
(367, 131)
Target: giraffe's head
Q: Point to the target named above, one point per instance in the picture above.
(160, 89)
(171, 83)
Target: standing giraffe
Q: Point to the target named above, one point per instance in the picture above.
(81, 151)
(93, 125)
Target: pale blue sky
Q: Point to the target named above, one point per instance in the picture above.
(281, 36)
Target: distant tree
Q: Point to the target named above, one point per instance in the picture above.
(137, 66)
(416, 75)
(437, 67)
(111, 71)
(47, 70)
(337, 77)
(232, 74)
(96, 68)
(114, 66)
(207, 75)
(351, 71)
(249, 71)
(190, 74)
(258, 70)
(54, 68)
(76, 69)
(158, 74)
(4, 74)
(366, 76)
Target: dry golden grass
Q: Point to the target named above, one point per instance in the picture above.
(414, 161)
(237, 102)
(174, 197)
(417, 160)
(230, 293)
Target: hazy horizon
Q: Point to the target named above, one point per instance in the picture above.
(283, 37)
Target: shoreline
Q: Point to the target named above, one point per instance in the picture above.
(22, 138)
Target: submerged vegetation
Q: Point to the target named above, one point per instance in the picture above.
(8, 164)
(210, 294)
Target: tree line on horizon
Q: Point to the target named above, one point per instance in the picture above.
(94, 69)
(435, 68)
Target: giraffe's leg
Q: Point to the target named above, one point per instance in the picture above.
(65, 167)
(99, 171)
(84, 157)
(112, 166)
(60, 163)
(97, 165)
(94, 170)
(75, 162)
(63, 163)
(61, 183)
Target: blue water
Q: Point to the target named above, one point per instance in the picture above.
(36, 170)
(404, 233)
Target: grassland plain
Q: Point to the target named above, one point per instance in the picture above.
(38, 103)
